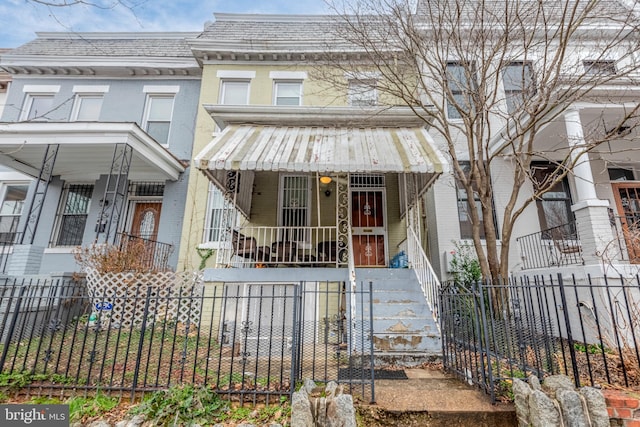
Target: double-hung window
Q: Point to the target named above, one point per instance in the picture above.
(460, 88)
(38, 102)
(158, 116)
(72, 216)
(599, 68)
(287, 93)
(464, 204)
(362, 93)
(221, 216)
(11, 209)
(234, 92)
(88, 102)
(517, 79)
(554, 206)
(158, 111)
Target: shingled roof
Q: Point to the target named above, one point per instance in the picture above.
(108, 44)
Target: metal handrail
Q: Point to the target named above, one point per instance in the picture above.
(555, 246)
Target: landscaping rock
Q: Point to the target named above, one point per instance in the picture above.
(340, 412)
(99, 423)
(596, 405)
(558, 403)
(301, 409)
(326, 407)
(521, 392)
(534, 382)
(554, 383)
(572, 410)
(542, 411)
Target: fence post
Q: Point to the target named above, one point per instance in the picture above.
(143, 328)
(12, 326)
(372, 358)
(565, 313)
(485, 348)
(295, 338)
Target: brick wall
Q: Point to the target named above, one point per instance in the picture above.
(623, 407)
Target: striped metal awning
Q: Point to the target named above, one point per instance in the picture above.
(322, 149)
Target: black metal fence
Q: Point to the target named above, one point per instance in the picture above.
(7, 240)
(252, 342)
(154, 255)
(586, 328)
(556, 246)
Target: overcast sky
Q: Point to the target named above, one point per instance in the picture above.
(21, 19)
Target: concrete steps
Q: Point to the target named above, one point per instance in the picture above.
(432, 398)
(404, 331)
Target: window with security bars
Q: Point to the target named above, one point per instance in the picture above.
(221, 216)
(10, 211)
(73, 214)
(294, 207)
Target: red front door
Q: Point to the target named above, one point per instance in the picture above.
(368, 225)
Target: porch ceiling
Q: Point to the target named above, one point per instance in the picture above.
(327, 140)
(85, 150)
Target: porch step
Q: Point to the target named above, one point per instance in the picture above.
(403, 326)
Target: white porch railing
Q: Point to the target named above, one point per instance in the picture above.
(281, 246)
(352, 281)
(424, 271)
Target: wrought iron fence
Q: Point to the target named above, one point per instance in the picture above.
(252, 342)
(587, 328)
(554, 246)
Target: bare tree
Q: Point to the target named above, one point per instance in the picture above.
(488, 76)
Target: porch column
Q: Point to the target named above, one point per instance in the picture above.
(592, 215)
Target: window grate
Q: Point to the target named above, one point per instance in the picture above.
(367, 181)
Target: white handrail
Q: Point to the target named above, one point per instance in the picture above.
(352, 278)
(424, 271)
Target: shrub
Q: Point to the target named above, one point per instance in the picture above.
(131, 255)
(464, 264)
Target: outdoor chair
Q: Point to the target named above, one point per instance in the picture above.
(247, 247)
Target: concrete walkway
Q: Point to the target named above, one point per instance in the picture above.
(432, 398)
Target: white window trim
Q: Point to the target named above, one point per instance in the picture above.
(28, 103)
(275, 90)
(76, 102)
(215, 244)
(147, 108)
(288, 75)
(40, 89)
(156, 89)
(90, 89)
(222, 89)
(236, 74)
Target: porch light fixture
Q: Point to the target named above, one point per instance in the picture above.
(325, 180)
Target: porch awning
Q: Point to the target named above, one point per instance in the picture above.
(85, 150)
(323, 149)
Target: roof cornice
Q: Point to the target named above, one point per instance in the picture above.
(316, 116)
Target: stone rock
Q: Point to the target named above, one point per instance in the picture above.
(301, 409)
(218, 425)
(331, 388)
(136, 421)
(76, 424)
(572, 410)
(245, 425)
(542, 411)
(596, 405)
(521, 392)
(122, 423)
(554, 383)
(308, 386)
(534, 382)
(275, 425)
(340, 412)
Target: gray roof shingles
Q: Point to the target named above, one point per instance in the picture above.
(116, 47)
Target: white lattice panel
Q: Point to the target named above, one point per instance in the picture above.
(123, 299)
